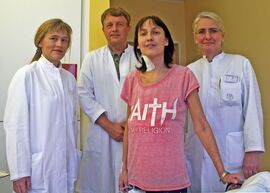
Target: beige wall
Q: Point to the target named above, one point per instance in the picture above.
(170, 11)
(247, 27)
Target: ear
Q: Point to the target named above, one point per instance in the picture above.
(166, 42)
(128, 27)
(223, 36)
(40, 44)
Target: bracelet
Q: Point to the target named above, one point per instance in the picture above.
(223, 176)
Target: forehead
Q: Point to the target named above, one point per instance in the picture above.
(111, 18)
(149, 23)
(207, 23)
(58, 33)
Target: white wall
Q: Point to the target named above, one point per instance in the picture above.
(19, 21)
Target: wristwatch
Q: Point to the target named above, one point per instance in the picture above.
(223, 176)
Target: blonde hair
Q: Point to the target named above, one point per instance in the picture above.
(209, 15)
(51, 25)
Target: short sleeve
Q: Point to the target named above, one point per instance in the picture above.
(190, 83)
(127, 88)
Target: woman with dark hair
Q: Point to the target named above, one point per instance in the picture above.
(158, 95)
(41, 117)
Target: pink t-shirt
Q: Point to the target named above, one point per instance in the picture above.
(156, 159)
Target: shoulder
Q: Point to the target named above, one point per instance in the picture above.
(96, 52)
(132, 75)
(180, 69)
(129, 48)
(238, 60)
(235, 56)
(26, 69)
(132, 79)
(196, 64)
(93, 58)
(23, 73)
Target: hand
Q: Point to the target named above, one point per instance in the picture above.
(123, 181)
(232, 178)
(116, 131)
(251, 163)
(22, 185)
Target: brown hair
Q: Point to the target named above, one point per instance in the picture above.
(115, 12)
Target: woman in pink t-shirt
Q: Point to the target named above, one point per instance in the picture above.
(158, 95)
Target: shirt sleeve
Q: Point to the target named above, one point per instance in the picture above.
(126, 92)
(190, 83)
(16, 125)
(92, 108)
(253, 125)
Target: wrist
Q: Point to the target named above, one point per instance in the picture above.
(123, 167)
(222, 176)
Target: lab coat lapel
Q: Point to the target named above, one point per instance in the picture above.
(202, 72)
(108, 59)
(125, 64)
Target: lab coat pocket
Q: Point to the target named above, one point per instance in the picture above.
(230, 93)
(234, 150)
(37, 176)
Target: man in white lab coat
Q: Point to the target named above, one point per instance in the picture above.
(102, 74)
(230, 97)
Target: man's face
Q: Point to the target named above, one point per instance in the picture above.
(116, 30)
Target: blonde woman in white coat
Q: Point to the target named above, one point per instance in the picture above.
(41, 117)
(101, 78)
(231, 100)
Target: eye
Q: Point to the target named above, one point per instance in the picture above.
(142, 33)
(120, 24)
(65, 40)
(108, 26)
(213, 30)
(156, 32)
(201, 31)
(53, 38)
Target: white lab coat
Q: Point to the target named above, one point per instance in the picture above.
(231, 100)
(259, 182)
(99, 92)
(41, 127)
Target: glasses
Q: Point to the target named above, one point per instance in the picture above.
(211, 31)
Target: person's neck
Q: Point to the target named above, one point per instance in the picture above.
(118, 49)
(210, 56)
(158, 62)
(160, 66)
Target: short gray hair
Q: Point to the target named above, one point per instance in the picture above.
(209, 15)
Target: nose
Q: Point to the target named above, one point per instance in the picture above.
(59, 42)
(149, 37)
(208, 34)
(114, 27)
